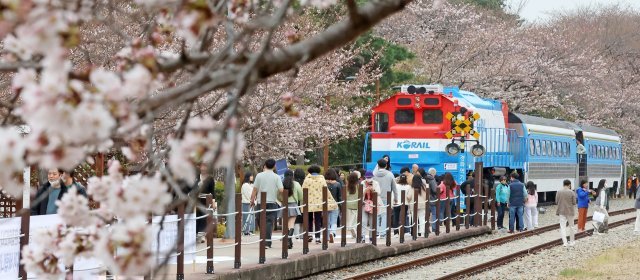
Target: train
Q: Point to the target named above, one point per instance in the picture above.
(419, 123)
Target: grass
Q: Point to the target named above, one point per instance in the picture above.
(611, 264)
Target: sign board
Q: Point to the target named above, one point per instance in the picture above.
(281, 167)
(450, 166)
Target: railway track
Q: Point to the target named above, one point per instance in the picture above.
(477, 247)
(505, 259)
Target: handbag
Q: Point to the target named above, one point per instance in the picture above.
(368, 204)
(598, 217)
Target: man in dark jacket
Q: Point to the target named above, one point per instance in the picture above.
(433, 195)
(48, 194)
(69, 180)
(516, 198)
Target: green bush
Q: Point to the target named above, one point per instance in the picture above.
(220, 230)
(218, 195)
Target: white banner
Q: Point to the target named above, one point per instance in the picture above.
(88, 268)
(169, 238)
(9, 248)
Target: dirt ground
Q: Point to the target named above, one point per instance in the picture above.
(615, 263)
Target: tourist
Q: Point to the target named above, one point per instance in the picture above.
(315, 182)
(247, 190)
(294, 193)
(566, 211)
(517, 197)
(270, 183)
(502, 199)
(531, 207)
(583, 203)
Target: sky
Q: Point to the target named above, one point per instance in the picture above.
(539, 10)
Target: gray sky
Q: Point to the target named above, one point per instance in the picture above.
(538, 10)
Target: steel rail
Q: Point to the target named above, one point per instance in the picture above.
(508, 258)
(471, 248)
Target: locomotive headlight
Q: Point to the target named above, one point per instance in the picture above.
(477, 150)
(452, 149)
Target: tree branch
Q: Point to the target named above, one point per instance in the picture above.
(277, 61)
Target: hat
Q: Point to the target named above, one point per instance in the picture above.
(368, 175)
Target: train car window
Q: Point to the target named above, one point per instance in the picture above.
(538, 150)
(559, 149)
(609, 154)
(532, 148)
(404, 101)
(432, 116)
(554, 148)
(404, 116)
(431, 101)
(564, 149)
(549, 151)
(544, 147)
(599, 153)
(381, 122)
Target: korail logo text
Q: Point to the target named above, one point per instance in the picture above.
(406, 144)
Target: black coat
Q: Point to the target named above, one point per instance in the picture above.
(42, 198)
(336, 191)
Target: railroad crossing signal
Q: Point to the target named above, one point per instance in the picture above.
(462, 125)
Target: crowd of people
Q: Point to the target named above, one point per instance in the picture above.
(443, 195)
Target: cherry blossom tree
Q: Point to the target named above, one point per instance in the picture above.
(84, 74)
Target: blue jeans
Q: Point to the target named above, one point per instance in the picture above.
(434, 219)
(248, 225)
(382, 224)
(513, 212)
(501, 209)
(333, 221)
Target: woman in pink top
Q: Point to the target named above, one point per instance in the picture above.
(447, 181)
(531, 207)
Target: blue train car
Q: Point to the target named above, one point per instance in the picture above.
(411, 126)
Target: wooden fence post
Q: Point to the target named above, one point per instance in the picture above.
(493, 211)
(457, 201)
(438, 202)
(343, 220)
(427, 215)
(180, 260)
(403, 215)
(305, 221)
(359, 226)
(478, 185)
(263, 227)
(414, 228)
(238, 231)
(209, 234)
(325, 218)
(374, 220)
(389, 221)
(285, 224)
(467, 218)
(447, 210)
(25, 219)
(485, 205)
